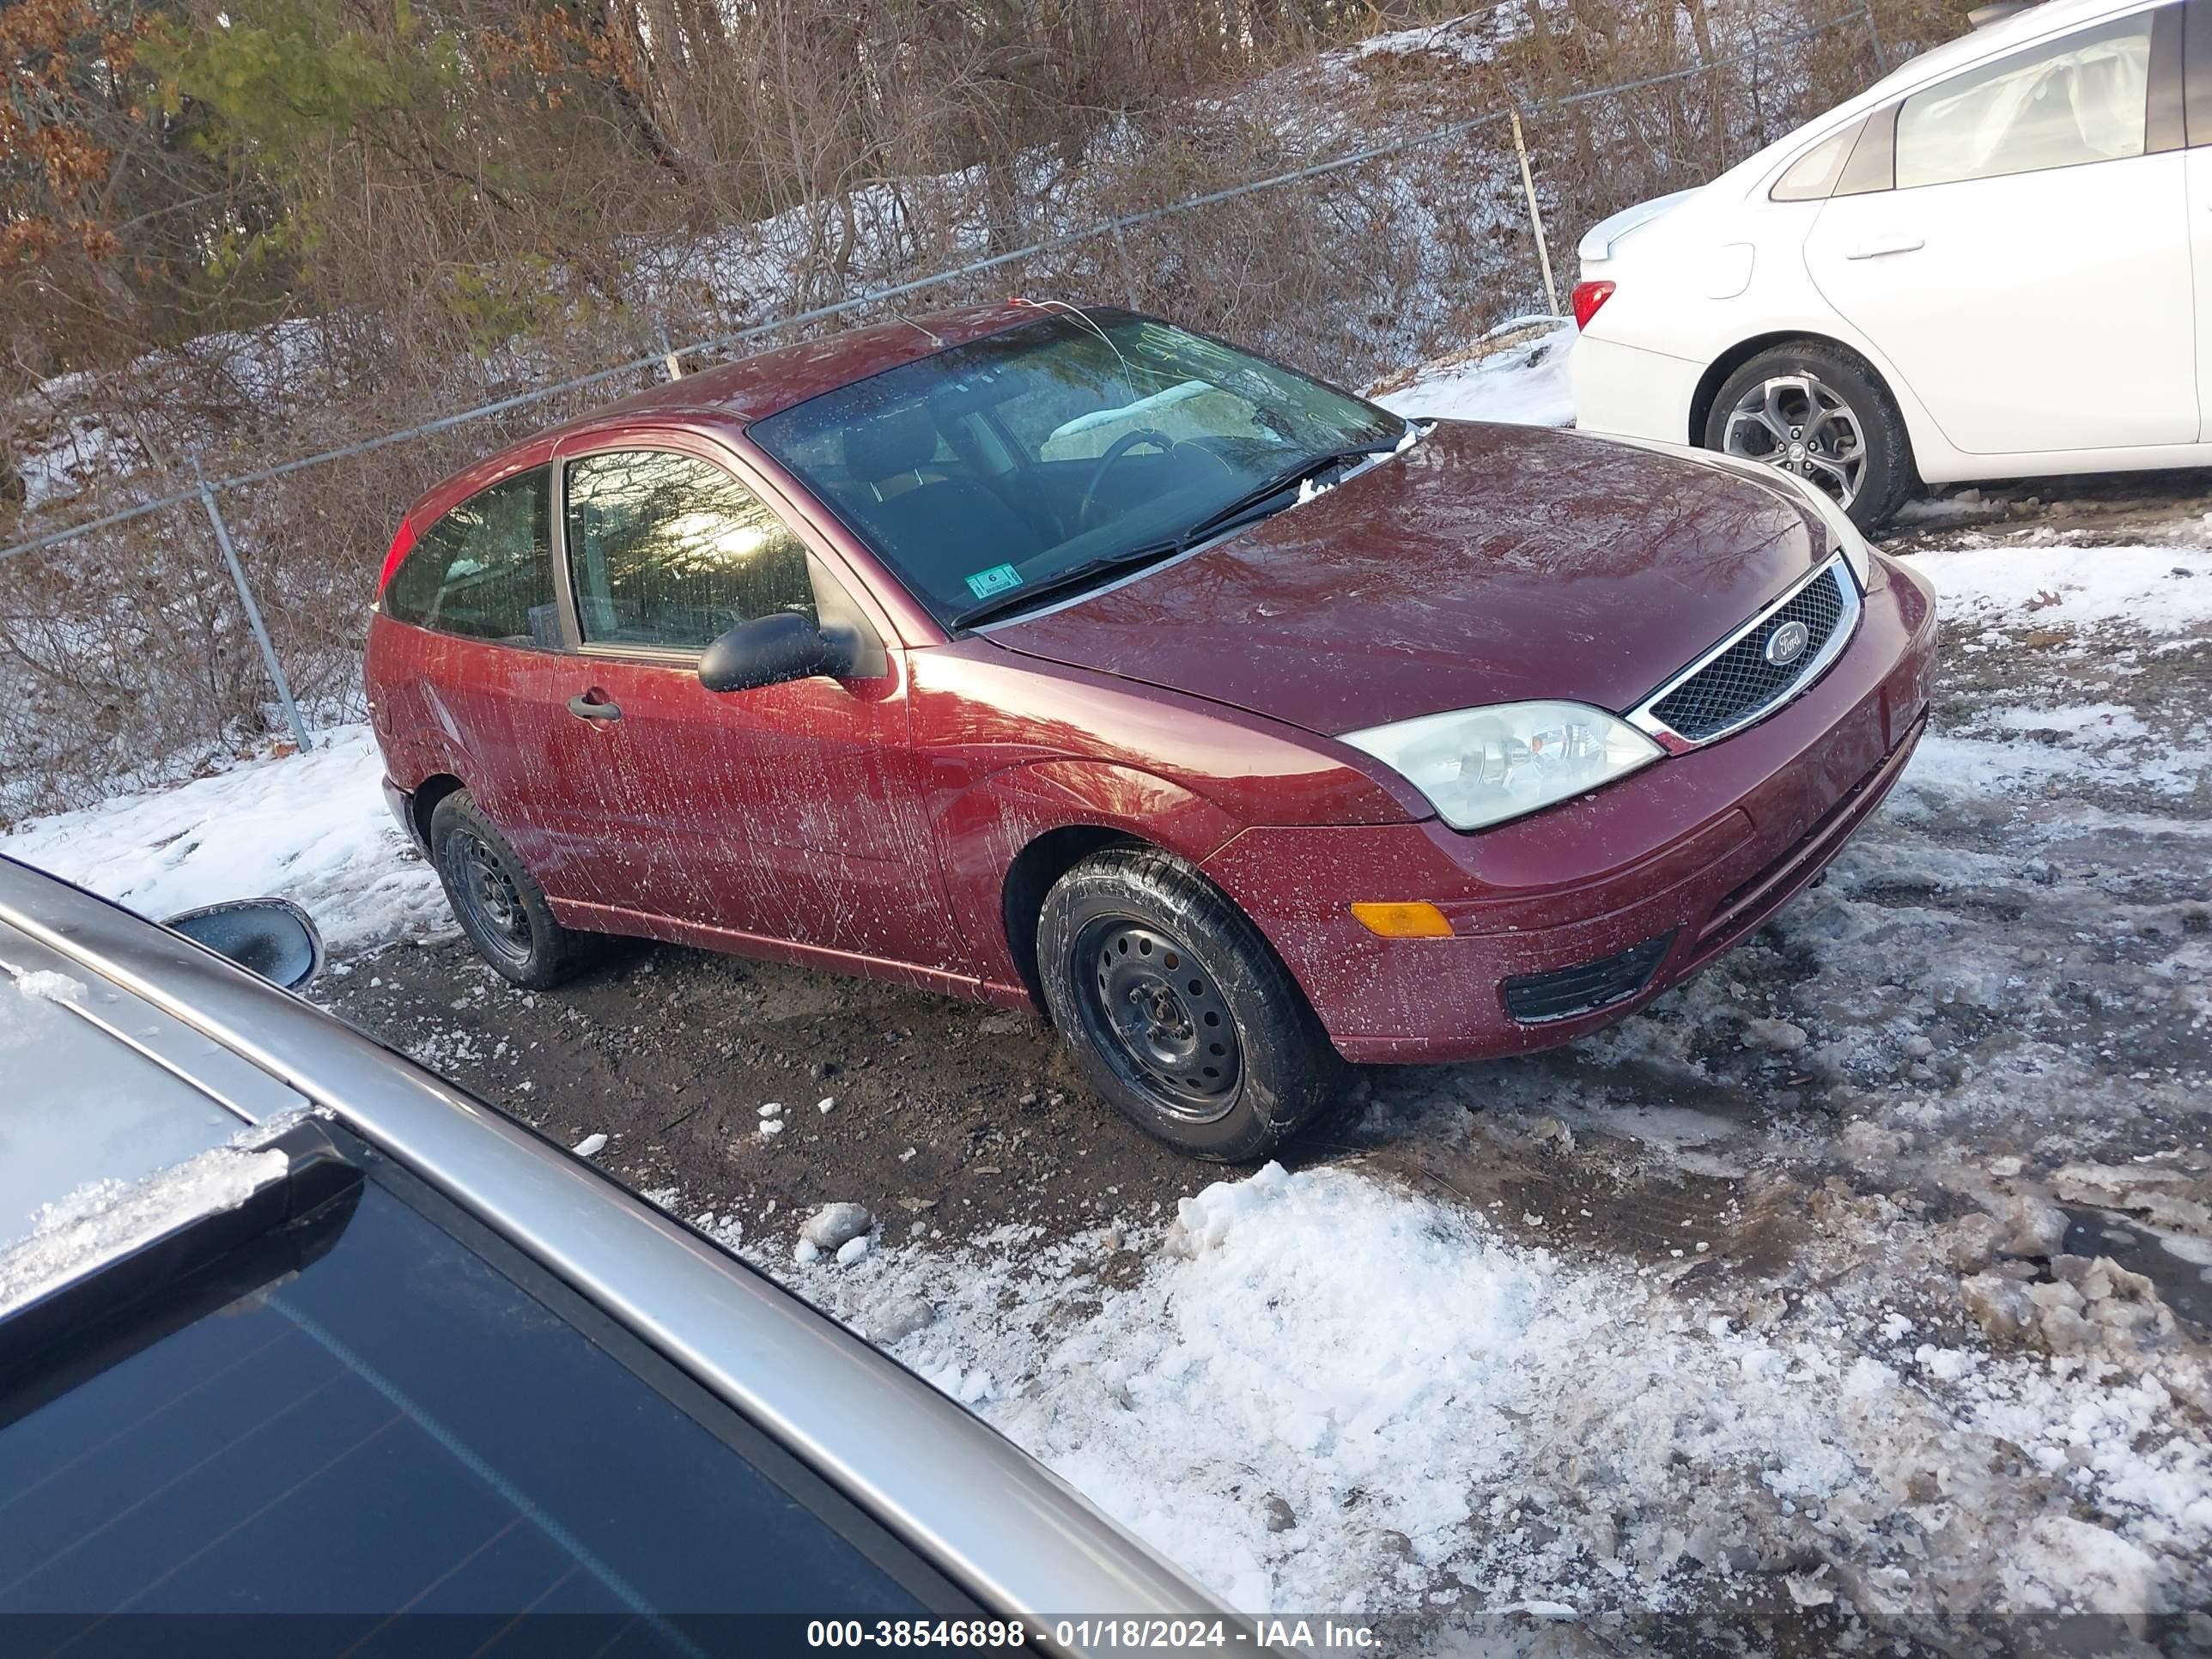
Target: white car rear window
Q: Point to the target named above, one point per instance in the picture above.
(2068, 102)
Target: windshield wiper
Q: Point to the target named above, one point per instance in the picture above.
(1153, 552)
(1223, 517)
(1079, 575)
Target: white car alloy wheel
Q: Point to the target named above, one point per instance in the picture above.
(1801, 425)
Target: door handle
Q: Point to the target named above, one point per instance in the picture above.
(593, 706)
(1883, 245)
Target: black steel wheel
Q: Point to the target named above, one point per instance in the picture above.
(1176, 1008)
(500, 906)
(1153, 1010)
(491, 904)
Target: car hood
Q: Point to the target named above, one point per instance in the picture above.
(1487, 564)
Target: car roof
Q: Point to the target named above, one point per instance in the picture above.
(732, 396)
(990, 1517)
(753, 388)
(1995, 39)
(2053, 17)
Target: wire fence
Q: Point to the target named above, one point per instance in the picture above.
(1122, 267)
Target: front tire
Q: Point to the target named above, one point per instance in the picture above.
(1177, 1010)
(1820, 413)
(500, 906)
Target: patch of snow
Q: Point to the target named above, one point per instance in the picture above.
(1524, 385)
(1449, 39)
(49, 986)
(590, 1146)
(311, 828)
(1434, 1406)
(2159, 590)
(1951, 766)
(103, 1220)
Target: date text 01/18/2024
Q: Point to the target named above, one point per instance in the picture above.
(1128, 1635)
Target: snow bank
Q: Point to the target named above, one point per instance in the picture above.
(1988, 595)
(2158, 590)
(1525, 385)
(2009, 750)
(1329, 1394)
(310, 827)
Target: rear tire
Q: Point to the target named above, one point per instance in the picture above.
(1820, 413)
(499, 905)
(1177, 1010)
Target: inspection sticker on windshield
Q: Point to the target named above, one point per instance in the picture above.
(996, 580)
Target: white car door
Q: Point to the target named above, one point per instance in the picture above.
(2197, 100)
(2024, 262)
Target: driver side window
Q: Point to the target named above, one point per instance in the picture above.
(672, 551)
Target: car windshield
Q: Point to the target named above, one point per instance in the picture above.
(1039, 459)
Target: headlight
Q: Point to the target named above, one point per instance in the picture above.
(1482, 766)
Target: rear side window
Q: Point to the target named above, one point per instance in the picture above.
(387, 1410)
(672, 551)
(2068, 102)
(1813, 175)
(485, 570)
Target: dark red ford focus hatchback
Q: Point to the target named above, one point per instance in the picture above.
(1068, 659)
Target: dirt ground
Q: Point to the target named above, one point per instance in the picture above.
(1976, 952)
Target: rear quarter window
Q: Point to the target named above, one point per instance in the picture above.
(383, 1408)
(485, 570)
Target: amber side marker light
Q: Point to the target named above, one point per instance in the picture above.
(1420, 920)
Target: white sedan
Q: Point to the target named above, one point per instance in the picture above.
(1995, 262)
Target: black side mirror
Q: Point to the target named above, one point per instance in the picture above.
(271, 937)
(767, 651)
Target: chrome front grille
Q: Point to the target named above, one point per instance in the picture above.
(1738, 681)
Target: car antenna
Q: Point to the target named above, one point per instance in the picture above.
(928, 334)
(1129, 380)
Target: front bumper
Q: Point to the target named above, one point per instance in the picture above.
(1698, 849)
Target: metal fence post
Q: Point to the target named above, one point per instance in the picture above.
(252, 610)
(1121, 258)
(1536, 216)
(1881, 57)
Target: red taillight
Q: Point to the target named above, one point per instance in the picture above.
(1588, 296)
(402, 545)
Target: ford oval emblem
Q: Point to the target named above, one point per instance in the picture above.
(1787, 643)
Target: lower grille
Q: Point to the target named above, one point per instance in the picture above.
(1563, 993)
(1741, 683)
